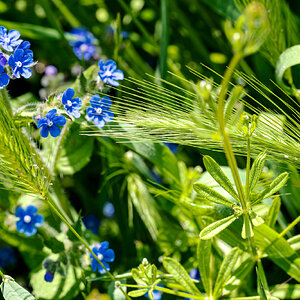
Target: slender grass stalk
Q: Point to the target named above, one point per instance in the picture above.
(83, 242)
(248, 169)
(290, 227)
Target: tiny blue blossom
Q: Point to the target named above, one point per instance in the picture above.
(51, 123)
(20, 62)
(25, 46)
(108, 209)
(195, 274)
(109, 72)
(83, 44)
(104, 254)
(72, 105)
(9, 40)
(28, 220)
(99, 111)
(49, 277)
(92, 223)
(7, 256)
(4, 78)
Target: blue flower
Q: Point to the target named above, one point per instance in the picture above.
(49, 277)
(7, 256)
(99, 111)
(51, 123)
(109, 72)
(29, 220)
(83, 45)
(108, 209)
(25, 46)
(92, 223)
(195, 274)
(4, 78)
(104, 254)
(20, 62)
(72, 105)
(9, 40)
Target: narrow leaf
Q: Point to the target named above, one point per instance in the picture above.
(216, 227)
(260, 289)
(204, 255)
(274, 187)
(225, 271)
(13, 291)
(247, 227)
(138, 293)
(256, 170)
(216, 172)
(273, 212)
(180, 275)
(210, 194)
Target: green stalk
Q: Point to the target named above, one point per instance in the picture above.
(2, 275)
(84, 243)
(248, 169)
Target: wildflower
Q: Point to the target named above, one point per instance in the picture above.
(83, 45)
(9, 40)
(29, 220)
(25, 46)
(4, 78)
(7, 256)
(104, 254)
(72, 105)
(92, 223)
(99, 111)
(109, 72)
(50, 70)
(108, 209)
(51, 123)
(20, 62)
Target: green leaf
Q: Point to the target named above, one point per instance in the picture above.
(75, 153)
(209, 194)
(204, 259)
(216, 227)
(274, 187)
(138, 293)
(262, 276)
(260, 289)
(273, 212)
(64, 287)
(216, 172)
(13, 291)
(256, 170)
(290, 57)
(278, 250)
(180, 275)
(137, 276)
(225, 271)
(287, 291)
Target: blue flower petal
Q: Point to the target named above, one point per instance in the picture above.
(44, 131)
(29, 230)
(20, 225)
(99, 122)
(111, 65)
(4, 79)
(109, 255)
(54, 130)
(26, 73)
(31, 210)
(11, 61)
(118, 75)
(105, 101)
(38, 220)
(50, 114)
(49, 277)
(94, 265)
(14, 34)
(19, 212)
(108, 115)
(18, 54)
(101, 269)
(59, 120)
(112, 82)
(103, 246)
(42, 121)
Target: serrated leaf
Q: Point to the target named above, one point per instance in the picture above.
(256, 170)
(290, 57)
(210, 194)
(225, 270)
(203, 257)
(138, 293)
(274, 187)
(180, 275)
(216, 172)
(273, 212)
(13, 291)
(216, 227)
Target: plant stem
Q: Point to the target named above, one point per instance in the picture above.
(84, 243)
(248, 169)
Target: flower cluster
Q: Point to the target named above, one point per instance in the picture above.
(28, 220)
(104, 254)
(83, 43)
(16, 58)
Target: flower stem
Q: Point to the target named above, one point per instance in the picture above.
(83, 242)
